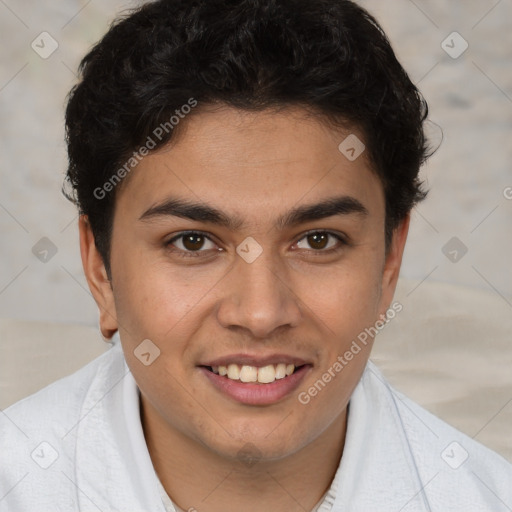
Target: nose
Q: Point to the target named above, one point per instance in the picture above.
(259, 298)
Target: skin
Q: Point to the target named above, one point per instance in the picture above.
(292, 299)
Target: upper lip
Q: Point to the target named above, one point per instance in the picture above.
(255, 360)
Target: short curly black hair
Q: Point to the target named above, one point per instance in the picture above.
(328, 56)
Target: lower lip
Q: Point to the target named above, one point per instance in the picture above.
(252, 393)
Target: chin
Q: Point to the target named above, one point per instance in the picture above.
(255, 447)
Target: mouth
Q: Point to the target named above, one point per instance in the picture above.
(256, 385)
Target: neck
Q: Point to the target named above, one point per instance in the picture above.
(196, 477)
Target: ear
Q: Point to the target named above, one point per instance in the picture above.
(97, 278)
(393, 263)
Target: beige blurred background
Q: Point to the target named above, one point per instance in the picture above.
(470, 97)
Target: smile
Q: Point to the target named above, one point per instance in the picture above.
(256, 385)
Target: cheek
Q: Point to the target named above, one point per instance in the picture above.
(154, 299)
(346, 300)
(347, 308)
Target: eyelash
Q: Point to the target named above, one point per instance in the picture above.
(317, 252)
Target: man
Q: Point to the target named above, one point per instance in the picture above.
(244, 170)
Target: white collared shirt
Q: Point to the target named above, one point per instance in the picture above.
(78, 445)
(324, 505)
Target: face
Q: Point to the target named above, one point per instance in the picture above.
(250, 245)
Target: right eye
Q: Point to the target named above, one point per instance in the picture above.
(190, 244)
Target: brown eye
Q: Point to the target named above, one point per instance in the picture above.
(321, 241)
(191, 242)
(318, 241)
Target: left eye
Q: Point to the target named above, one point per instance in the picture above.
(192, 242)
(320, 241)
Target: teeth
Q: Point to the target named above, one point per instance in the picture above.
(267, 374)
(249, 374)
(233, 372)
(263, 375)
(280, 371)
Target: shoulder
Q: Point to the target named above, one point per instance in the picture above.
(56, 405)
(457, 472)
(40, 431)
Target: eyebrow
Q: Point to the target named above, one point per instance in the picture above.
(202, 212)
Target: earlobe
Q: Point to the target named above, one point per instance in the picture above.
(97, 279)
(393, 263)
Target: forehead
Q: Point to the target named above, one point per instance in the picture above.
(254, 162)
